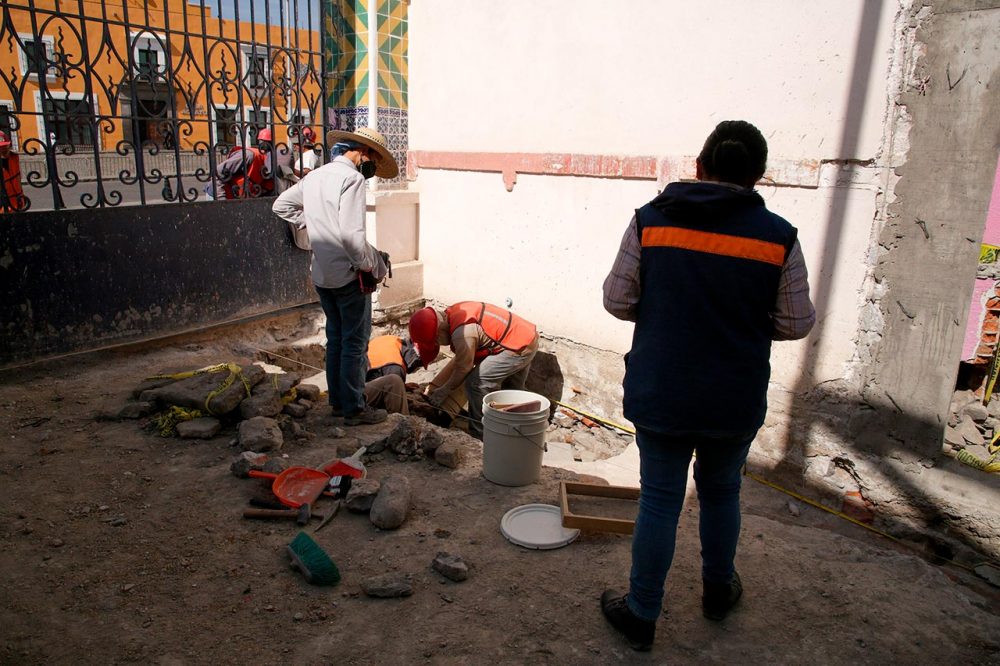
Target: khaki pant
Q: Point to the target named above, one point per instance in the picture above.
(387, 392)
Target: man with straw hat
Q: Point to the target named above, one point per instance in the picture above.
(330, 205)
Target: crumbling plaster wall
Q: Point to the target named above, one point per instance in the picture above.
(878, 431)
(868, 137)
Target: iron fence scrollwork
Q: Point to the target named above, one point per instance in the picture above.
(120, 102)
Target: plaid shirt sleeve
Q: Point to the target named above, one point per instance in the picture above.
(794, 314)
(621, 287)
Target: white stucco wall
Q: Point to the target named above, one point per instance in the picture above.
(643, 78)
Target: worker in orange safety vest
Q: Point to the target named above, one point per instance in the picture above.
(493, 349)
(12, 197)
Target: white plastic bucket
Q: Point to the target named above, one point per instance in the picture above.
(513, 442)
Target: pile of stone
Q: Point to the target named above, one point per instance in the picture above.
(414, 439)
(588, 439)
(264, 405)
(972, 425)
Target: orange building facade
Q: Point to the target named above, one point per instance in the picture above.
(123, 76)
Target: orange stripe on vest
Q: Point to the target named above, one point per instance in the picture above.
(723, 244)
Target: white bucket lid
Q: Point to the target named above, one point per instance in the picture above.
(537, 526)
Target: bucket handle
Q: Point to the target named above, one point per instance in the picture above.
(543, 447)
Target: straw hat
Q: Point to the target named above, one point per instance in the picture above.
(387, 167)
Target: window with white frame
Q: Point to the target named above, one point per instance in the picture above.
(67, 119)
(257, 119)
(147, 54)
(256, 68)
(38, 54)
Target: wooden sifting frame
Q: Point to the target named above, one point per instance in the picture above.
(595, 523)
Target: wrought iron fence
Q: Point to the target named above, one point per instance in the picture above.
(129, 102)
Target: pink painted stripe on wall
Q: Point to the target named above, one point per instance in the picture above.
(552, 164)
(991, 235)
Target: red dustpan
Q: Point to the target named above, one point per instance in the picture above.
(351, 466)
(296, 485)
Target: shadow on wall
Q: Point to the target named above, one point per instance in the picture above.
(863, 438)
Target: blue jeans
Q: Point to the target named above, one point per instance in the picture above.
(663, 470)
(348, 327)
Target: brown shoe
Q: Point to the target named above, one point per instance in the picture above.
(367, 416)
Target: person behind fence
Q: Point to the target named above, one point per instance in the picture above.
(493, 349)
(245, 172)
(710, 277)
(330, 206)
(12, 197)
(311, 155)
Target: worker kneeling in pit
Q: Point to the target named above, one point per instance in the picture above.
(493, 349)
(390, 358)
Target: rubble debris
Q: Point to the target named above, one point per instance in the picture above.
(977, 411)
(387, 586)
(968, 430)
(309, 392)
(989, 573)
(402, 440)
(295, 409)
(203, 427)
(361, 495)
(285, 382)
(263, 401)
(430, 439)
(247, 461)
(450, 566)
(392, 504)
(260, 434)
(450, 454)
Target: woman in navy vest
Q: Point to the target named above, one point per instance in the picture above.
(710, 277)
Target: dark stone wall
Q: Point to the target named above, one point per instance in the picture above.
(83, 279)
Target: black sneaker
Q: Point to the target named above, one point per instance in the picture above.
(638, 632)
(718, 599)
(367, 416)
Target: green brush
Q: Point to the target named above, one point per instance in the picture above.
(312, 561)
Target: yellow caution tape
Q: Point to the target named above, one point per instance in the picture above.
(593, 417)
(991, 466)
(166, 421)
(234, 372)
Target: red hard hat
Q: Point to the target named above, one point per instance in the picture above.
(264, 135)
(423, 332)
(308, 134)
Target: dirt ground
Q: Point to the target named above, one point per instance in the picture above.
(119, 546)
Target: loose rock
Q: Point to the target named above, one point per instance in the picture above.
(204, 427)
(430, 440)
(194, 391)
(968, 430)
(265, 401)
(387, 586)
(307, 391)
(294, 409)
(392, 504)
(953, 438)
(361, 495)
(260, 434)
(450, 566)
(247, 461)
(450, 454)
(976, 411)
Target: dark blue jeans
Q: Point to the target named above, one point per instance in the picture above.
(663, 470)
(348, 327)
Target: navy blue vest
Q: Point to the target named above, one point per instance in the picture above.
(710, 264)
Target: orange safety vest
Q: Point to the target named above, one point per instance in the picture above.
(12, 184)
(506, 330)
(385, 350)
(252, 171)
